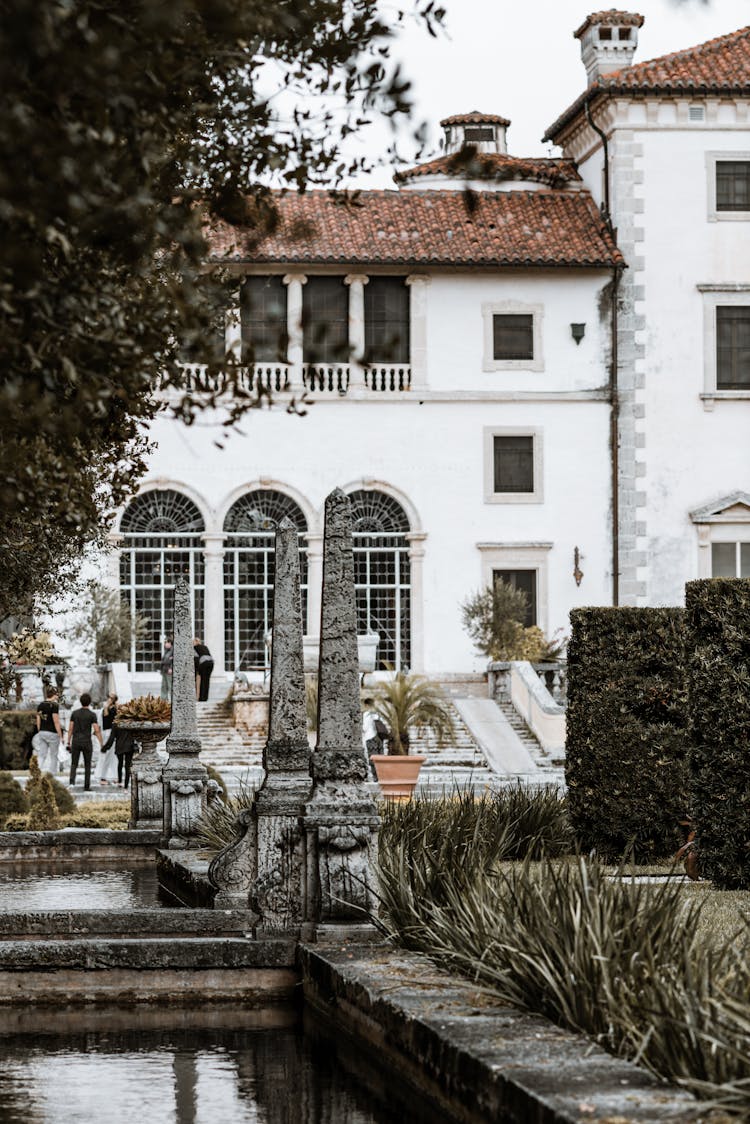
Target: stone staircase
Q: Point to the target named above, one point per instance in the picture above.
(223, 745)
(458, 765)
(540, 756)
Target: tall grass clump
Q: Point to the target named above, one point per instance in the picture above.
(215, 828)
(562, 937)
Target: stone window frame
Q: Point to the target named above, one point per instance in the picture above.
(490, 495)
(712, 158)
(714, 295)
(519, 556)
(498, 308)
(725, 520)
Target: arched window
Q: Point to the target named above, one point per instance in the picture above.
(249, 530)
(161, 542)
(382, 575)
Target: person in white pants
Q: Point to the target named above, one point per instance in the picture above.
(49, 732)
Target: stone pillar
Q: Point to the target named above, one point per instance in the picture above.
(418, 328)
(356, 283)
(294, 283)
(416, 558)
(314, 583)
(213, 612)
(184, 776)
(278, 895)
(114, 542)
(341, 820)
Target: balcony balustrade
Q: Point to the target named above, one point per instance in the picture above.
(319, 379)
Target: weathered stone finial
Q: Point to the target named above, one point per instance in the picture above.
(184, 777)
(341, 819)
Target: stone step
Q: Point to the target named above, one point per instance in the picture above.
(148, 924)
(158, 953)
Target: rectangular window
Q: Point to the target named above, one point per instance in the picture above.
(513, 464)
(525, 580)
(474, 134)
(387, 320)
(733, 347)
(325, 320)
(513, 335)
(730, 560)
(733, 185)
(263, 319)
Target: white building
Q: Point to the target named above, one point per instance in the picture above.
(467, 366)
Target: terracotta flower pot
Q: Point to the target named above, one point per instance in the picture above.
(397, 774)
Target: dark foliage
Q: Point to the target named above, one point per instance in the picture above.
(15, 726)
(626, 754)
(718, 621)
(12, 798)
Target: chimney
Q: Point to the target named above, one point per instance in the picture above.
(483, 131)
(608, 41)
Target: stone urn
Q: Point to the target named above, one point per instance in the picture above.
(397, 773)
(146, 802)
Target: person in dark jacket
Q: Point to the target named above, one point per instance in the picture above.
(83, 725)
(204, 665)
(124, 750)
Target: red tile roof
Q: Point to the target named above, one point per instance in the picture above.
(475, 118)
(412, 228)
(614, 17)
(720, 66)
(470, 165)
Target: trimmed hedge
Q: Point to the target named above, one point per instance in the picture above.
(718, 620)
(626, 754)
(15, 725)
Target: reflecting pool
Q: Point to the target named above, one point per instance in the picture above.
(41, 886)
(277, 1073)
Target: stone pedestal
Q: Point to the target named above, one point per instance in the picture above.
(146, 774)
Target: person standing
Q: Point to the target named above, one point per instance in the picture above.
(166, 667)
(124, 746)
(107, 761)
(49, 732)
(204, 665)
(373, 731)
(83, 724)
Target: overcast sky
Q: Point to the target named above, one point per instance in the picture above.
(519, 58)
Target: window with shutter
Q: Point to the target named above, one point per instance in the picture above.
(514, 463)
(733, 185)
(264, 320)
(513, 335)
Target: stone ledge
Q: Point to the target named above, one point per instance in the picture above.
(58, 924)
(184, 875)
(472, 1057)
(94, 954)
(72, 843)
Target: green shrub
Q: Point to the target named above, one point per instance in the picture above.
(12, 797)
(64, 799)
(626, 751)
(15, 725)
(43, 814)
(718, 619)
(110, 814)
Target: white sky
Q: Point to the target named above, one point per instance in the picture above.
(519, 58)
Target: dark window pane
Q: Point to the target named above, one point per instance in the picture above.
(263, 318)
(473, 134)
(733, 347)
(513, 336)
(745, 559)
(387, 320)
(733, 185)
(724, 560)
(325, 320)
(513, 464)
(525, 580)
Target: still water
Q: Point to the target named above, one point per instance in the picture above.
(50, 886)
(282, 1074)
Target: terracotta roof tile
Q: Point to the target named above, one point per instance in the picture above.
(470, 164)
(475, 118)
(720, 66)
(534, 228)
(613, 16)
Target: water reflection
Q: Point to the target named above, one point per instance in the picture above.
(186, 1075)
(51, 886)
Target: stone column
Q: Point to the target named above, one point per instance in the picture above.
(114, 542)
(184, 776)
(341, 820)
(279, 893)
(416, 558)
(213, 612)
(356, 283)
(294, 283)
(314, 583)
(418, 328)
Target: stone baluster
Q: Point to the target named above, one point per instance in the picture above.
(341, 820)
(184, 776)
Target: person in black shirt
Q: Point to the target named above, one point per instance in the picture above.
(49, 732)
(83, 724)
(204, 665)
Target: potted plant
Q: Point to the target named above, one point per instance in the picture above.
(149, 720)
(407, 703)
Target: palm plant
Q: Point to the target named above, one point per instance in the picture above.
(408, 702)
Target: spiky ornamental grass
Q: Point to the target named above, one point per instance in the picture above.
(619, 961)
(216, 827)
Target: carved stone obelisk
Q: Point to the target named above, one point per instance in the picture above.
(341, 820)
(184, 776)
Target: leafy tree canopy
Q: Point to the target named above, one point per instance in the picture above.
(117, 119)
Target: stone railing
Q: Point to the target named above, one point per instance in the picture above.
(332, 379)
(388, 377)
(531, 699)
(553, 675)
(326, 378)
(256, 379)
